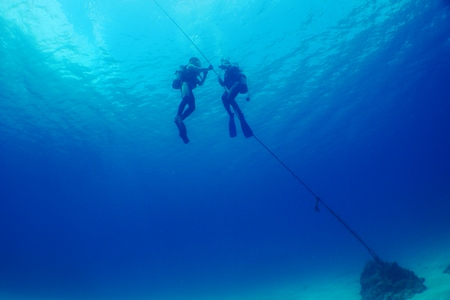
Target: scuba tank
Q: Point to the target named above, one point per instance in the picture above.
(240, 76)
(243, 87)
(177, 82)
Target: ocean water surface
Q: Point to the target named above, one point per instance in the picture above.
(101, 199)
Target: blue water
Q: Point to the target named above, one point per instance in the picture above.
(100, 198)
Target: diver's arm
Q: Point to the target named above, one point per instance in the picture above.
(203, 78)
(220, 80)
(192, 67)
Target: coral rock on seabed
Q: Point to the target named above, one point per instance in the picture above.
(447, 270)
(389, 281)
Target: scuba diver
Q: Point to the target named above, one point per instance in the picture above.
(186, 79)
(235, 82)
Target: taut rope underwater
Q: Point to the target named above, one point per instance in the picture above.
(318, 200)
(198, 49)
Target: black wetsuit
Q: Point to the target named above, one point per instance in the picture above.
(190, 81)
(232, 81)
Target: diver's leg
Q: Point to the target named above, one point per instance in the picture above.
(179, 118)
(234, 91)
(181, 128)
(226, 103)
(191, 106)
(184, 98)
(231, 124)
(185, 90)
(181, 107)
(232, 98)
(236, 107)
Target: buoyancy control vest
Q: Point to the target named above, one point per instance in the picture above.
(235, 74)
(182, 74)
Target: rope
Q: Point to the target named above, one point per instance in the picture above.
(200, 51)
(318, 200)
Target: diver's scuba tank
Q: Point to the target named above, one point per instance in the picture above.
(243, 87)
(177, 80)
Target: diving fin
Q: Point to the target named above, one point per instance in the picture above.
(182, 129)
(245, 127)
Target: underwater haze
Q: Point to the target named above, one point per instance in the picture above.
(101, 199)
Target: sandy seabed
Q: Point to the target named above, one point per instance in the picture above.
(428, 262)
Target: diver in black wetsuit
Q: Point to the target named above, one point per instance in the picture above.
(234, 82)
(186, 79)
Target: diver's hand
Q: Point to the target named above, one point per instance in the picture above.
(210, 67)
